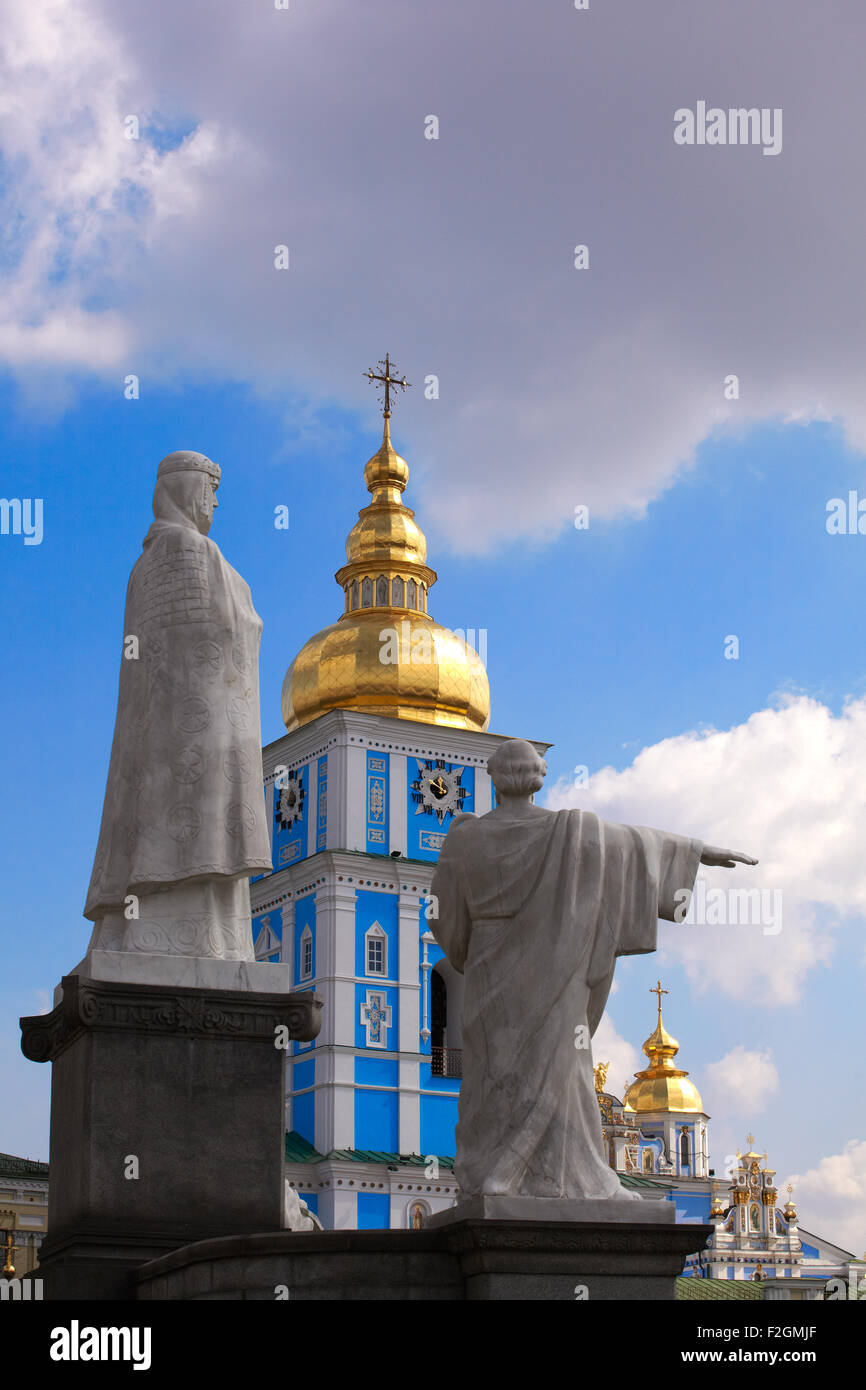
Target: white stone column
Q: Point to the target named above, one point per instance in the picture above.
(287, 950)
(355, 803)
(397, 802)
(483, 792)
(338, 1208)
(312, 806)
(335, 1045)
(409, 1119)
(335, 1100)
(408, 926)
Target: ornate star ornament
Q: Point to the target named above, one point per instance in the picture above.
(291, 804)
(438, 790)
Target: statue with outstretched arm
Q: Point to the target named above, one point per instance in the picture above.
(534, 907)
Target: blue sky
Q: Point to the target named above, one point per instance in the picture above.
(603, 642)
(557, 387)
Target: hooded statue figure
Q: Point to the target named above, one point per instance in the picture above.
(184, 824)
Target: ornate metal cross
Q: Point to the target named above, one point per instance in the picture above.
(659, 992)
(388, 381)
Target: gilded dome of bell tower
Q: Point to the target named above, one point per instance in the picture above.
(385, 654)
(662, 1086)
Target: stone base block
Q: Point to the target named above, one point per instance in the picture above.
(167, 1122)
(480, 1260)
(635, 1211)
(183, 972)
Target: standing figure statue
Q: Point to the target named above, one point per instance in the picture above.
(534, 908)
(183, 825)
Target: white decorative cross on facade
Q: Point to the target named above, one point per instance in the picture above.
(376, 1018)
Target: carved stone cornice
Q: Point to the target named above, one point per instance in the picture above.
(94, 1005)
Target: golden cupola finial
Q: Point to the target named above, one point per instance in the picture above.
(386, 655)
(662, 1087)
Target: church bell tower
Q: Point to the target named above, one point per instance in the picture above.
(387, 738)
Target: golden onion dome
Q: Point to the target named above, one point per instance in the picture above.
(386, 655)
(662, 1087)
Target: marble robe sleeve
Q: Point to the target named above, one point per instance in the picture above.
(184, 797)
(535, 913)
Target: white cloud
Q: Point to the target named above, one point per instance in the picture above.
(831, 1199)
(785, 787)
(742, 1081)
(557, 386)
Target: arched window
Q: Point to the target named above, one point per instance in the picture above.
(396, 592)
(411, 594)
(438, 1009)
(354, 593)
(684, 1149)
(381, 592)
(648, 1160)
(376, 951)
(446, 1020)
(422, 594)
(306, 954)
(366, 593)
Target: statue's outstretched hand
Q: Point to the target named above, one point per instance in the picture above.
(724, 858)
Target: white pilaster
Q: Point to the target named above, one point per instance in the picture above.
(312, 806)
(408, 928)
(335, 937)
(409, 1113)
(287, 953)
(335, 1100)
(483, 792)
(356, 797)
(338, 1208)
(397, 802)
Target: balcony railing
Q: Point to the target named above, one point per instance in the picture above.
(446, 1061)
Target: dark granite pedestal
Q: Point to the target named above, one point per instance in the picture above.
(167, 1123)
(479, 1260)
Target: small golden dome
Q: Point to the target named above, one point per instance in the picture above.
(386, 655)
(386, 530)
(386, 469)
(662, 1087)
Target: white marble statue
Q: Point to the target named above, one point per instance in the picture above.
(296, 1214)
(534, 908)
(183, 825)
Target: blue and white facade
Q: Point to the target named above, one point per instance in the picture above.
(358, 807)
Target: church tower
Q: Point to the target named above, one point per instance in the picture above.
(668, 1107)
(752, 1237)
(387, 737)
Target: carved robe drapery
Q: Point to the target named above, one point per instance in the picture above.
(184, 803)
(535, 913)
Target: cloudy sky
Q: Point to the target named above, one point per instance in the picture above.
(606, 387)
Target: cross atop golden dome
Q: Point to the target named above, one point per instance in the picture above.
(385, 654)
(662, 1087)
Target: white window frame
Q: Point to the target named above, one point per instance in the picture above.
(306, 936)
(376, 933)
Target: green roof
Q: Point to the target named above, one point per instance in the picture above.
(300, 1150)
(632, 1180)
(688, 1287)
(12, 1167)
